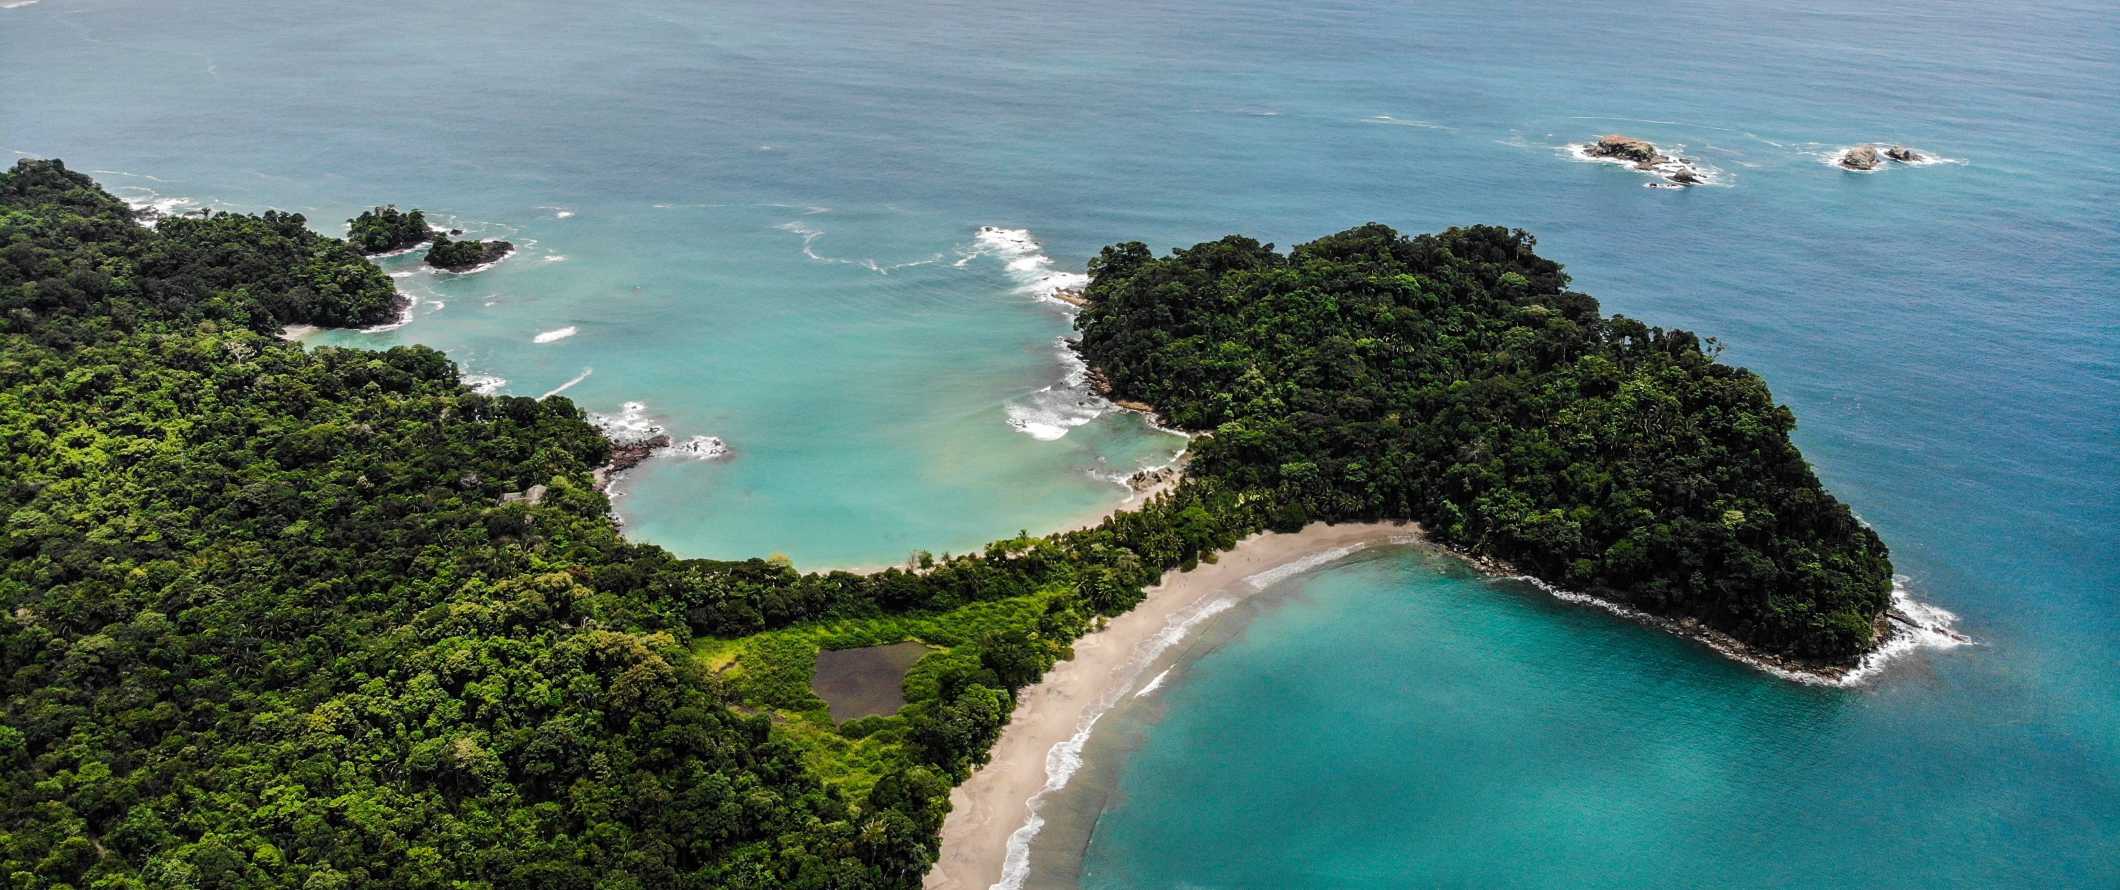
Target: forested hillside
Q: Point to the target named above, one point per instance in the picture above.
(270, 621)
(271, 624)
(1455, 380)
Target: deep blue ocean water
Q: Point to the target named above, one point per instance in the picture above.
(762, 222)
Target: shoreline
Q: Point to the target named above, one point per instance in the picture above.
(989, 810)
(994, 814)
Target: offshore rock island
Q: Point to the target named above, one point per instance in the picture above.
(380, 640)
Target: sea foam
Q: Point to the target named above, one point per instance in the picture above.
(1024, 259)
(1284, 571)
(810, 234)
(1831, 157)
(584, 375)
(630, 424)
(1664, 172)
(1050, 412)
(1931, 628)
(555, 334)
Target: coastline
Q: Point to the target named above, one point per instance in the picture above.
(994, 814)
(989, 810)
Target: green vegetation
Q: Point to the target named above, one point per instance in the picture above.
(1454, 380)
(384, 229)
(269, 623)
(456, 256)
(772, 670)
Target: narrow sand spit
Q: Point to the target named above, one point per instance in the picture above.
(996, 800)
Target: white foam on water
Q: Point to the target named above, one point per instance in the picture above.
(555, 258)
(631, 424)
(1404, 122)
(1064, 758)
(584, 375)
(404, 316)
(1024, 260)
(17, 4)
(127, 173)
(151, 206)
(1926, 627)
(1154, 683)
(1932, 630)
(1673, 165)
(398, 253)
(1284, 571)
(1831, 157)
(701, 448)
(484, 266)
(555, 334)
(811, 233)
(484, 384)
(1052, 411)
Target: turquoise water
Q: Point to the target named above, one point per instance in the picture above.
(1946, 333)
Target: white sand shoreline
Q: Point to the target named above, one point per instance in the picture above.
(987, 809)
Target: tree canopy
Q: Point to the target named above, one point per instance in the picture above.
(386, 228)
(1455, 380)
(269, 620)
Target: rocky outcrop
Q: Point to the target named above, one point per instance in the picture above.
(627, 455)
(1152, 479)
(1626, 148)
(1904, 154)
(1861, 157)
(1643, 155)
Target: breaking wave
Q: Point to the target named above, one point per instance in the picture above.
(1915, 626)
(1666, 172)
(584, 375)
(1284, 571)
(1024, 259)
(1051, 412)
(630, 424)
(555, 334)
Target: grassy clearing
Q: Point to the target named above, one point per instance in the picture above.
(772, 671)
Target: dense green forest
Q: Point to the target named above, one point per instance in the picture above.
(1454, 379)
(386, 228)
(270, 622)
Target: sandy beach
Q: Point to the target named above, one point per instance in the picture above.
(995, 801)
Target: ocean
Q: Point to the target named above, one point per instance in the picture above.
(822, 233)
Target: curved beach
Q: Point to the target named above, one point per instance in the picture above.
(987, 809)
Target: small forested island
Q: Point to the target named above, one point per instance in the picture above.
(458, 256)
(386, 229)
(273, 618)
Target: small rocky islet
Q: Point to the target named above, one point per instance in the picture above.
(1869, 157)
(1643, 155)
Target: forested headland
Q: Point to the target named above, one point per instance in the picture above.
(271, 623)
(1453, 379)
